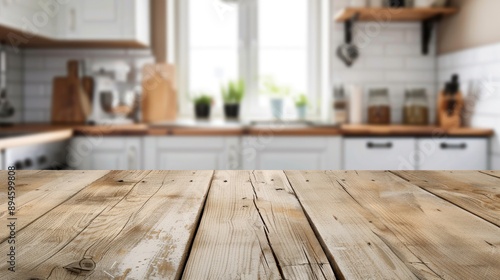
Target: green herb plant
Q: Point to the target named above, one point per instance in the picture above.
(204, 99)
(271, 88)
(234, 92)
(301, 100)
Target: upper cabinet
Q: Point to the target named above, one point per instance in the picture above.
(106, 20)
(99, 23)
(26, 16)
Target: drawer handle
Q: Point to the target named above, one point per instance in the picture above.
(446, 146)
(372, 145)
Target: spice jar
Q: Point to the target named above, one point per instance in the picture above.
(379, 107)
(416, 107)
(339, 106)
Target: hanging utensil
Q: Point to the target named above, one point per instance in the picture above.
(348, 52)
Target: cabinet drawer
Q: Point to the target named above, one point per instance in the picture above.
(453, 154)
(379, 153)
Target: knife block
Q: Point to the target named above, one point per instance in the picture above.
(450, 110)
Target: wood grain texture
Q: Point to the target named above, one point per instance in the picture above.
(349, 234)
(254, 228)
(472, 191)
(434, 238)
(144, 232)
(231, 241)
(292, 239)
(393, 14)
(38, 192)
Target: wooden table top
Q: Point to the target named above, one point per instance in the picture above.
(253, 225)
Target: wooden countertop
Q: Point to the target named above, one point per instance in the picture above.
(404, 130)
(254, 225)
(37, 137)
(235, 130)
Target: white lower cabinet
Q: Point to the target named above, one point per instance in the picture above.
(291, 153)
(105, 153)
(376, 153)
(191, 153)
(453, 154)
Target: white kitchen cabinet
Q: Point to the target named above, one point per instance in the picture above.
(377, 153)
(291, 153)
(105, 153)
(453, 154)
(118, 20)
(191, 153)
(36, 17)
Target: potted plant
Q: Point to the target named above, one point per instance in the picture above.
(202, 105)
(232, 95)
(277, 95)
(301, 103)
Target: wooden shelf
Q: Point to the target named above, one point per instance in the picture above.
(393, 14)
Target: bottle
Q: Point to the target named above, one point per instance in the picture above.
(339, 106)
(450, 105)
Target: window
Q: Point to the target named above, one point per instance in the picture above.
(222, 40)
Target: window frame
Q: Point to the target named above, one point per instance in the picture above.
(248, 67)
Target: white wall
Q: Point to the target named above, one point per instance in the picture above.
(479, 70)
(391, 57)
(41, 66)
(15, 84)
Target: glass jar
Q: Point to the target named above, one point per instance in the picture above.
(416, 107)
(339, 106)
(379, 106)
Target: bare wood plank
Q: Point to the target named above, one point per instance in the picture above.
(38, 192)
(146, 235)
(231, 242)
(393, 14)
(348, 232)
(473, 191)
(492, 173)
(254, 228)
(50, 233)
(299, 253)
(434, 237)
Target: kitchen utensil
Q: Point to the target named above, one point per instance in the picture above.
(348, 52)
(159, 97)
(6, 108)
(71, 96)
(450, 105)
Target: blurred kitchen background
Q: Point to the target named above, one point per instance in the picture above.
(249, 84)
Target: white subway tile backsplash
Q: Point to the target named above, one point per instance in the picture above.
(36, 116)
(40, 103)
(403, 49)
(420, 63)
(410, 76)
(382, 62)
(36, 90)
(42, 66)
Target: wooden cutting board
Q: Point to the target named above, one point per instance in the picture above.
(71, 96)
(159, 93)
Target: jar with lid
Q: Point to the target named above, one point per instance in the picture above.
(379, 106)
(416, 107)
(339, 105)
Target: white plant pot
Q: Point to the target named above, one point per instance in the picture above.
(277, 108)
